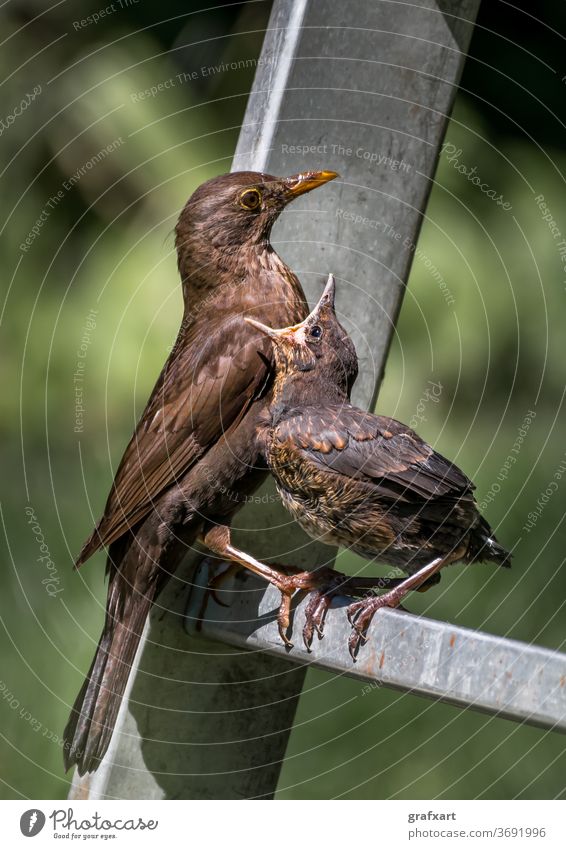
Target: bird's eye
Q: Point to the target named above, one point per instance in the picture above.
(250, 199)
(316, 331)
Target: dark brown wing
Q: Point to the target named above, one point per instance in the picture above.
(376, 449)
(207, 384)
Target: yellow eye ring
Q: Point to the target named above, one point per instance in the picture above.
(250, 199)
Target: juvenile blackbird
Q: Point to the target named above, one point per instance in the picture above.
(193, 458)
(360, 480)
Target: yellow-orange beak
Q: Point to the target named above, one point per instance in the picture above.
(300, 184)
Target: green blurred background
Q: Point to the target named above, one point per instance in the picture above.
(105, 249)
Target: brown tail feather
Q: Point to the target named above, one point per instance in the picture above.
(94, 713)
(484, 547)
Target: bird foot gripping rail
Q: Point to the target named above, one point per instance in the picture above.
(467, 668)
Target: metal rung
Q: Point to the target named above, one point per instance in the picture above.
(470, 669)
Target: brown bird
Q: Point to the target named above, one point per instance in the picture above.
(193, 458)
(360, 480)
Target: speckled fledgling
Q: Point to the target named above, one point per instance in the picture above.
(360, 480)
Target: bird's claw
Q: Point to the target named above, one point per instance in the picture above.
(319, 605)
(283, 634)
(321, 587)
(356, 640)
(353, 611)
(315, 616)
(360, 615)
(284, 615)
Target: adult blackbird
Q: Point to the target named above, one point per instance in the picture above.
(193, 458)
(360, 480)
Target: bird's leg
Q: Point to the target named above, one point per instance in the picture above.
(217, 539)
(321, 599)
(232, 568)
(328, 582)
(332, 583)
(360, 613)
(337, 584)
(323, 584)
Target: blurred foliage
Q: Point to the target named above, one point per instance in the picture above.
(497, 351)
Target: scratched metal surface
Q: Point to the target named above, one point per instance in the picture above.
(471, 669)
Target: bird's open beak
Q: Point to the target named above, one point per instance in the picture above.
(299, 184)
(276, 335)
(263, 328)
(288, 333)
(327, 298)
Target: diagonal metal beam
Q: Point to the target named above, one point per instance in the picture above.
(470, 669)
(364, 88)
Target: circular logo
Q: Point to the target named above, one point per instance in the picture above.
(31, 822)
